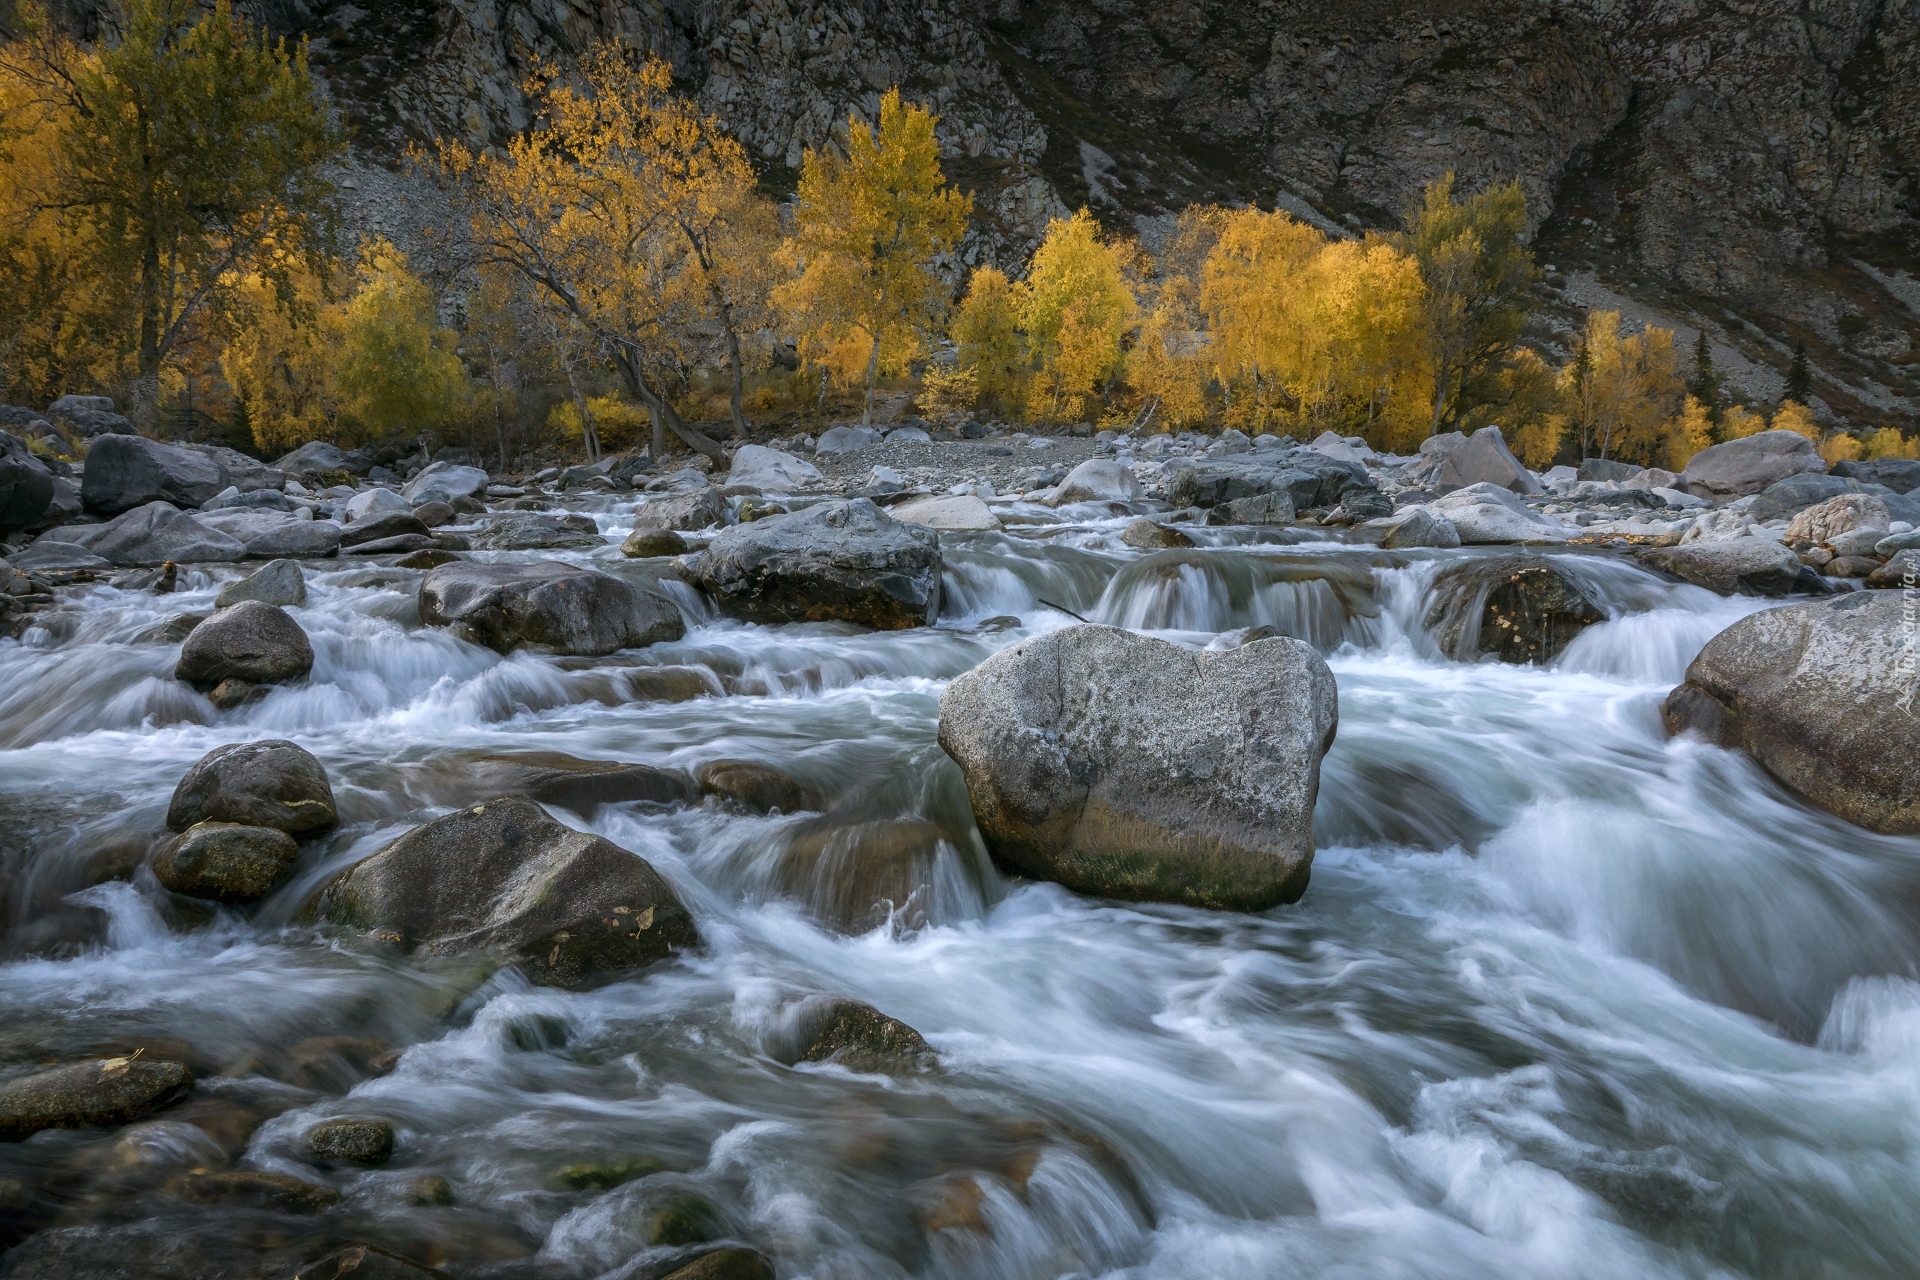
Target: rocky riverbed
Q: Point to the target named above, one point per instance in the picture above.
(1007, 856)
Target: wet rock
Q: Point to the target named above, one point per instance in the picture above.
(1420, 527)
(1818, 694)
(1513, 609)
(699, 509)
(850, 1034)
(836, 561)
(430, 1191)
(1745, 566)
(855, 876)
(279, 583)
(1261, 510)
(532, 531)
(644, 544)
(1098, 480)
(1748, 465)
(264, 784)
(379, 526)
(546, 604)
(583, 786)
(252, 1189)
(26, 485)
(1308, 478)
(335, 1063)
(684, 1219)
(756, 786)
(402, 544)
(226, 862)
(445, 482)
(231, 693)
(1485, 514)
(1360, 505)
(430, 558)
(435, 514)
(126, 471)
(604, 1175)
(252, 641)
(672, 684)
(1843, 513)
(504, 878)
(367, 1262)
(161, 581)
(963, 513)
(726, 1264)
(1129, 767)
(53, 556)
(351, 1141)
(157, 533)
(1151, 536)
(770, 471)
(299, 539)
(1456, 461)
(110, 1091)
(846, 439)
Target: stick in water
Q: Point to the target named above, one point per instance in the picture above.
(1060, 608)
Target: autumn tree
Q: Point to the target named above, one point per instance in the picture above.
(986, 332)
(870, 227)
(398, 366)
(1076, 308)
(1478, 272)
(187, 156)
(281, 359)
(1630, 388)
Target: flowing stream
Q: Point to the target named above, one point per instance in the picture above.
(1564, 999)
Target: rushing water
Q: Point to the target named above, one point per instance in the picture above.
(1565, 998)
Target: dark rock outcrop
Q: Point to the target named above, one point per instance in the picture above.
(124, 472)
(1510, 608)
(837, 561)
(252, 641)
(272, 783)
(548, 605)
(26, 485)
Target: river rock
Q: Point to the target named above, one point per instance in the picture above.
(55, 555)
(252, 641)
(226, 861)
(370, 503)
(962, 513)
(1098, 480)
(1602, 469)
(1130, 767)
(370, 1262)
(379, 527)
(851, 1034)
(846, 439)
(1825, 521)
(909, 435)
(159, 532)
(296, 539)
(127, 471)
(279, 583)
(1722, 525)
(643, 544)
(1787, 498)
(1261, 510)
(1901, 571)
(1750, 464)
(1902, 475)
(505, 878)
(535, 531)
(756, 786)
(252, 1189)
(445, 482)
(1420, 526)
(1512, 608)
(271, 783)
(351, 1141)
(26, 485)
(546, 604)
(854, 876)
(314, 455)
(1820, 694)
(700, 509)
(1484, 513)
(569, 782)
(1151, 536)
(109, 1091)
(842, 561)
(401, 544)
(232, 497)
(1308, 478)
(1746, 566)
(1457, 461)
(770, 471)
(732, 1263)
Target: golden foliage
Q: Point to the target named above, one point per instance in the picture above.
(280, 362)
(986, 329)
(398, 368)
(1738, 422)
(1795, 417)
(1076, 307)
(1889, 443)
(1533, 409)
(619, 424)
(1688, 433)
(948, 393)
(1626, 389)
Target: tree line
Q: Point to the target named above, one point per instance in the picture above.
(169, 219)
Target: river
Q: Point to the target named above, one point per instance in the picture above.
(1564, 998)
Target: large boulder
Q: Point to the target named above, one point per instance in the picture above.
(279, 583)
(699, 509)
(1820, 694)
(1098, 480)
(1743, 566)
(504, 878)
(272, 783)
(1456, 461)
(314, 455)
(381, 526)
(1511, 608)
(295, 539)
(124, 472)
(445, 482)
(535, 531)
(1825, 521)
(1308, 478)
(1486, 514)
(1420, 527)
(548, 605)
(964, 512)
(770, 471)
(1724, 471)
(253, 641)
(109, 1091)
(1131, 767)
(1902, 475)
(26, 485)
(1784, 499)
(375, 502)
(159, 532)
(226, 861)
(846, 439)
(836, 561)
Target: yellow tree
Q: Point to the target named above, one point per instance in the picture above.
(870, 226)
(1688, 433)
(1793, 415)
(578, 206)
(1368, 300)
(281, 358)
(1076, 308)
(398, 367)
(986, 330)
(1266, 344)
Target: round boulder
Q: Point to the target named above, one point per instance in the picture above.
(836, 561)
(105, 1092)
(262, 784)
(1130, 767)
(546, 604)
(351, 1141)
(226, 861)
(253, 641)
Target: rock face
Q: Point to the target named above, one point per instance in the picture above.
(757, 467)
(264, 784)
(106, 1092)
(226, 862)
(124, 472)
(1740, 467)
(1816, 693)
(1513, 609)
(1130, 767)
(1457, 461)
(840, 561)
(1744, 566)
(252, 641)
(26, 485)
(546, 604)
(158, 532)
(505, 878)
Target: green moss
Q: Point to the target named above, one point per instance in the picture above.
(602, 1174)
